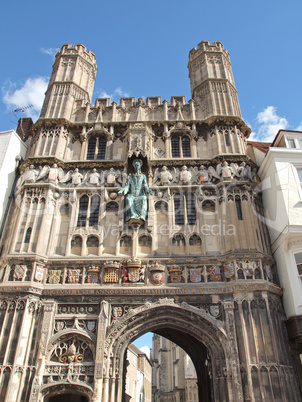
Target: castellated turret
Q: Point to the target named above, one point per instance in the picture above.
(72, 79)
(212, 81)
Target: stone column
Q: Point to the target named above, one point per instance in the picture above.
(99, 355)
(46, 331)
(233, 353)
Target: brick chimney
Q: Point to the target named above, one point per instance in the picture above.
(24, 127)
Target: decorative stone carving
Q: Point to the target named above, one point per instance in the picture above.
(163, 177)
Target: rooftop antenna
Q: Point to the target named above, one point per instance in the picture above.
(21, 110)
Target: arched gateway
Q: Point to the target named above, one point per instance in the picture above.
(195, 331)
(134, 217)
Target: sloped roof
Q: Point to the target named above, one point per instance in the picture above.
(262, 146)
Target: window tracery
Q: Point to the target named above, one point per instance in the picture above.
(96, 149)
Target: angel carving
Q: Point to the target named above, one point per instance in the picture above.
(112, 177)
(56, 174)
(186, 175)
(163, 177)
(28, 176)
(202, 175)
(223, 170)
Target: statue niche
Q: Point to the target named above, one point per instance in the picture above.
(136, 192)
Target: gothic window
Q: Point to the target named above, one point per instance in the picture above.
(89, 209)
(76, 242)
(181, 146)
(178, 240)
(161, 206)
(76, 245)
(184, 209)
(238, 209)
(27, 235)
(83, 206)
(112, 207)
(92, 241)
(195, 240)
(145, 241)
(227, 140)
(191, 210)
(179, 209)
(126, 241)
(96, 148)
(94, 210)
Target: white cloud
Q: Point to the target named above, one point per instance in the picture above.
(32, 92)
(268, 124)
(299, 128)
(51, 51)
(115, 95)
(146, 350)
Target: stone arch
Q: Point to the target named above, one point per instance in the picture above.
(198, 333)
(69, 333)
(50, 390)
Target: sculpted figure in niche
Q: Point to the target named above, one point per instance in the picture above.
(136, 191)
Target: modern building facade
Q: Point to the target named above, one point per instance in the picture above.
(138, 383)
(135, 217)
(174, 377)
(281, 174)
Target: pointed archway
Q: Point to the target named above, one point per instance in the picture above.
(199, 334)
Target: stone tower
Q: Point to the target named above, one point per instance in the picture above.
(212, 81)
(80, 281)
(72, 79)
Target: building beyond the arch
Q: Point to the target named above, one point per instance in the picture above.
(81, 279)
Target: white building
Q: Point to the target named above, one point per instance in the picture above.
(281, 175)
(11, 147)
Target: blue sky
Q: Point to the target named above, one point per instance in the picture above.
(142, 50)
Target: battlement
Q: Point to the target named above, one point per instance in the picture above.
(206, 46)
(77, 49)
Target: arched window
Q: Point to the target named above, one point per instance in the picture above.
(83, 206)
(191, 210)
(184, 209)
(181, 146)
(238, 209)
(27, 235)
(94, 210)
(92, 241)
(178, 240)
(96, 149)
(112, 207)
(126, 241)
(179, 209)
(145, 241)
(195, 240)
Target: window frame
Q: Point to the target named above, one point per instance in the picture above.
(100, 148)
(184, 214)
(296, 168)
(180, 146)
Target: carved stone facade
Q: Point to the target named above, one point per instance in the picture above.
(79, 283)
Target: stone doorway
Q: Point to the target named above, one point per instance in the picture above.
(67, 398)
